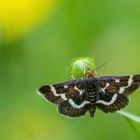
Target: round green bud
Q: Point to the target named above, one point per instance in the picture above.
(80, 66)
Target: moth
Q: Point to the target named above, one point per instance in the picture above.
(76, 97)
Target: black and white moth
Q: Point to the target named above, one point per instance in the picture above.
(74, 98)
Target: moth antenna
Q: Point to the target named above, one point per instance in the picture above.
(98, 67)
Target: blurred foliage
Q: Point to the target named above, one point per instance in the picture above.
(19, 16)
(38, 40)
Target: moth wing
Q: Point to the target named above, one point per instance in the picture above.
(119, 84)
(59, 93)
(67, 108)
(114, 91)
(118, 103)
(68, 97)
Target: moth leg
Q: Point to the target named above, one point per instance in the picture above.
(67, 108)
(117, 102)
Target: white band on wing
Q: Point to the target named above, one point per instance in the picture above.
(62, 95)
(114, 97)
(72, 103)
(130, 81)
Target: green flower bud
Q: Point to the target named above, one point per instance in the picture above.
(80, 67)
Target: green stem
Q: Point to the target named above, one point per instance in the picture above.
(129, 117)
(133, 127)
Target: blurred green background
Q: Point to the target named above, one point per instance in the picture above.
(38, 40)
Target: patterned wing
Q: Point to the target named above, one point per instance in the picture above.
(119, 84)
(114, 91)
(68, 97)
(71, 109)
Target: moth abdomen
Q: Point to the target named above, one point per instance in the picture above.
(92, 97)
